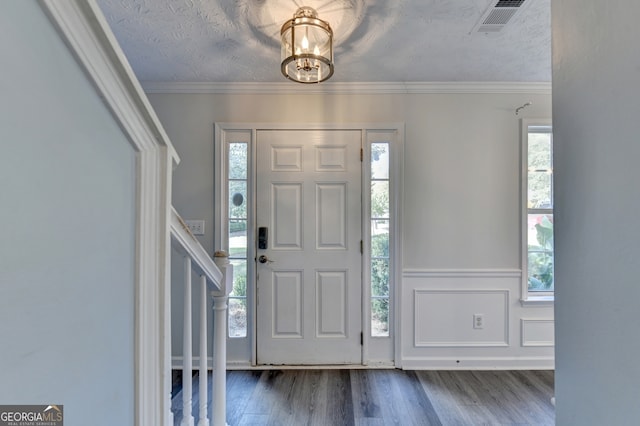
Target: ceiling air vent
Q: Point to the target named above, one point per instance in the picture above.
(498, 15)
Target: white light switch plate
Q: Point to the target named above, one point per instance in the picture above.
(195, 226)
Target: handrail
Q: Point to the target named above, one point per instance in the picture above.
(189, 246)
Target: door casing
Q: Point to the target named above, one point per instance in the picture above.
(241, 352)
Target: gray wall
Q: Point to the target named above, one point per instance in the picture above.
(461, 162)
(67, 209)
(460, 212)
(596, 101)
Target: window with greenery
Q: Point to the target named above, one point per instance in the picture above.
(539, 209)
(237, 214)
(380, 220)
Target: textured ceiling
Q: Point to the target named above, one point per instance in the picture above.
(375, 40)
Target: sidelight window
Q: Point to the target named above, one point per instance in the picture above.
(379, 243)
(538, 266)
(237, 179)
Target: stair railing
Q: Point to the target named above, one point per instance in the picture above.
(215, 280)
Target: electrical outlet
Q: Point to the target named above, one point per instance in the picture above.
(478, 321)
(195, 226)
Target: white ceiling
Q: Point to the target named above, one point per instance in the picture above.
(223, 41)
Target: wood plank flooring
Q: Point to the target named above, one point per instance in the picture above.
(384, 397)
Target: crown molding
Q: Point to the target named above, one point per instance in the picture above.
(365, 88)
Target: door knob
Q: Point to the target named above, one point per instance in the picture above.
(264, 259)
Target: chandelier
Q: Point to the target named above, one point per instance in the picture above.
(307, 47)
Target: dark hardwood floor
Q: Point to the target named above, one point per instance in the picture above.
(384, 397)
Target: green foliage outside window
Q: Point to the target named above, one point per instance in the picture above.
(541, 256)
(240, 287)
(380, 279)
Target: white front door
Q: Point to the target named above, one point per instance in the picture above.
(309, 284)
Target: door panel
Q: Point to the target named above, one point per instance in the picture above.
(331, 305)
(286, 214)
(287, 304)
(309, 290)
(331, 216)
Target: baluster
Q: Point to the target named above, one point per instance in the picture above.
(187, 415)
(220, 370)
(204, 420)
(220, 340)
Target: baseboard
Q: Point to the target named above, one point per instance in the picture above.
(408, 363)
(311, 367)
(239, 365)
(176, 364)
(461, 363)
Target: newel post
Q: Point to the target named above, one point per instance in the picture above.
(220, 299)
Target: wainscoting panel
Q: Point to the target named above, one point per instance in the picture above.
(439, 322)
(445, 318)
(537, 332)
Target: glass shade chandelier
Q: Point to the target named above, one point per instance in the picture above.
(307, 47)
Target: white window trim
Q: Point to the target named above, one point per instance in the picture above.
(240, 350)
(374, 347)
(528, 298)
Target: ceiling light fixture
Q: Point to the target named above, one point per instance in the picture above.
(307, 47)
